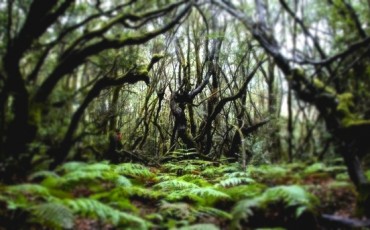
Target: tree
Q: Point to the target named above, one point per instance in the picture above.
(326, 81)
(48, 44)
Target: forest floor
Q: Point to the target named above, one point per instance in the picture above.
(190, 194)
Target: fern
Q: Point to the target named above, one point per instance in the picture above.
(292, 196)
(171, 167)
(231, 182)
(207, 193)
(117, 197)
(237, 174)
(174, 184)
(23, 196)
(30, 189)
(78, 176)
(179, 211)
(43, 174)
(136, 171)
(177, 195)
(214, 172)
(210, 211)
(101, 166)
(190, 168)
(94, 208)
(200, 227)
(165, 177)
(317, 167)
(322, 168)
(86, 175)
(136, 191)
(201, 195)
(244, 191)
(54, 215)
(243, 210)
(71, 166)
(267, 171)
(122, 181)
(195, 179)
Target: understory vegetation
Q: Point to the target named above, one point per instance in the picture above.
(190, 194)
(184, 114)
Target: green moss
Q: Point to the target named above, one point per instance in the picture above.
(349, 118)
(35, 114)
(157, 57)
(345, 102)
(142, 70)
(321, 85)
(355, 122)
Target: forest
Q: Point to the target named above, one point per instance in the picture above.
(184, 114)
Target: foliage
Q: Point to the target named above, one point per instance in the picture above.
(292, 196)
(230, 196)
(94, 208)
(53, 214)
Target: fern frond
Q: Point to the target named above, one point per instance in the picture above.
(210, 211)
(71, 166)
(122, 181)
(94, 208)
(237, 174)
(174, 184)
(43, 174)
(267, 171)
(190, 168)
(200, 227)
(80, 176)
(171, 167)
(177, 195)
(28, 189)
(208, 193)
(165, 177)
(86, 175)
(211, 172)
(143, 193)
(243, 210)
(245, 191)
(181, 211)
(292, 196)
(117, 197)
(195, 179)
(321, 167)
(317, 167)
(214, 172)
(100, 166)
(201, 195)
(54, 215)
(22, 196)
(233, 181)
(136, 171)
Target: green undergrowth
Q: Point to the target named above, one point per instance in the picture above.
(189, 194)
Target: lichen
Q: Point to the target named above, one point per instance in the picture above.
(320, 85)
(157, 56)
(345, 105)
(142, 70)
